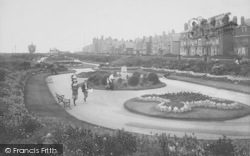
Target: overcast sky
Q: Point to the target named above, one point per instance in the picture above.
(71, 24)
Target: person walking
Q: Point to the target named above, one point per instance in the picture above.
(85, 90)
(74, 88)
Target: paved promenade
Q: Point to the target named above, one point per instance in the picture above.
(105, 108)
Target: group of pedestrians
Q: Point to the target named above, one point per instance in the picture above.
(75, 86)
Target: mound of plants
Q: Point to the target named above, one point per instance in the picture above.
(187, 106)
(185, 101)
(98, 80)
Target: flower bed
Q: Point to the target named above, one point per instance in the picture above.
(186, 101)
(187, 106)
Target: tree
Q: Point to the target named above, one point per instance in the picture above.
(225, 19)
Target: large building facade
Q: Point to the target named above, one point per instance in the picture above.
(242, 38)
(221, 43)
(227, 39)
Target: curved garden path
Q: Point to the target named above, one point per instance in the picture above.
(105, 108)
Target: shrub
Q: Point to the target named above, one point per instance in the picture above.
(95, 79)
(2, 75)
(137, 74)
(25, 65)
(122, 143)
(119, 80)
(153, 77)
(245, 70)
(104, 80)
(133, 81)
(62, 68)
(141, 84)
(125, 84)
(223, 146)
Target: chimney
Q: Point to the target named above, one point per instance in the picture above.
(185, 26)
(235, 19)
(242, 20)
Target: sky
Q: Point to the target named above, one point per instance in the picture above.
(69, 25)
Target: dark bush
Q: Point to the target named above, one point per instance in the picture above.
(217, 70)
(25, 65)
(104, 80)
(245, 69)
(95, 79)
(223, 147)
(119, 80)
(231, 69)
(123, 143)
(137, 74)
(153, 77)
(125, 84)
(2, 75)
(30, 124)
(38, 65)
(61, 68)
(133, 81)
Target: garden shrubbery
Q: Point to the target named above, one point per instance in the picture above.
(200, 66)
(133, 81)
(153, 77)
(2, 74)
(99, 78)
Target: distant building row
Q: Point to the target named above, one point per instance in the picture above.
(165, 43)
(232, 39)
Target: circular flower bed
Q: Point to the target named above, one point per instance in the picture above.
(167, 105)
(187, 105)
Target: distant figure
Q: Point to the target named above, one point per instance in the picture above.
(73, 77)
(237, 61)
(110, 82)
(74, 88)
(53, 69)
(85, 90)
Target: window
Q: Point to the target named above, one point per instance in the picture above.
(244, 29)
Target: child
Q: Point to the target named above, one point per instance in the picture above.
(74, 88)
(85, 90)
